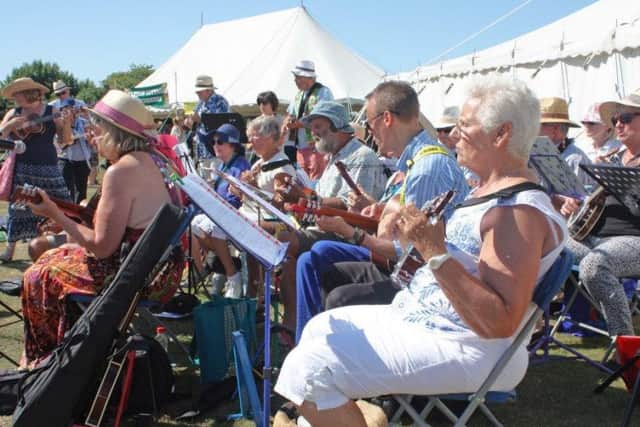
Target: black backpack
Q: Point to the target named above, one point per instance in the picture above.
(153, 382)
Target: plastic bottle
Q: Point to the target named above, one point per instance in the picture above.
(162, 337)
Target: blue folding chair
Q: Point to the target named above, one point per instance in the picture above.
(542, 296)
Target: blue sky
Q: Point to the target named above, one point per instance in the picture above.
(92, 39)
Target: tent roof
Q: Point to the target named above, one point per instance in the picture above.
(250, 55)
(602, 27)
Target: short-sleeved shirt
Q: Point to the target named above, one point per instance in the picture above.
(574, 157)
(79, 150)
(214, 104)
(430, 175)
(362, 164)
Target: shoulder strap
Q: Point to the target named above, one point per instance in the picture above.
(274, 165)
(305, 98)
(424, 152)
(505, 193)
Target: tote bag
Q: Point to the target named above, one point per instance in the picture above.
(6, 176)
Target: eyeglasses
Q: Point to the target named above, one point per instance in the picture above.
(445, 130)
(218, 141)
(624, 118)
(370, 123)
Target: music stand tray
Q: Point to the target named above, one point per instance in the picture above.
(213, 121)
(621, 182)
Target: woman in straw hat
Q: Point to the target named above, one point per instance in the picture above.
(133, 189)
(38, 165)
(612, 250)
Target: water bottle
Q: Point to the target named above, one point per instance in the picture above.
(162, 338)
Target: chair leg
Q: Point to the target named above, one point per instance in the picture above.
(10, 359)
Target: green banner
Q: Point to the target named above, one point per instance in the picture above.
(154, 96)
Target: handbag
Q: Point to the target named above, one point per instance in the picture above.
(214, 321)
(6, 176)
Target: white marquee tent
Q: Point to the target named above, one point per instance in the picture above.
(251, 55)
(589, 56)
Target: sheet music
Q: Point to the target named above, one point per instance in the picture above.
(255, 197)
(241, 230)
(622, 182)
(556, 174)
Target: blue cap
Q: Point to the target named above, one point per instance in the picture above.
(336, 113)
(228, 133)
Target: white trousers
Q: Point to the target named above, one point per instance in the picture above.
(366, 351)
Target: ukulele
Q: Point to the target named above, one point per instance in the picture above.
(84, 214)
(306, 213)
(411, 260)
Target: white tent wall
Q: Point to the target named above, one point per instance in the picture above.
(251, 55)
(589, 56)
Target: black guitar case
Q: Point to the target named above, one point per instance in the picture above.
(62, 387)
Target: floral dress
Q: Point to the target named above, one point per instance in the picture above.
(70, 269)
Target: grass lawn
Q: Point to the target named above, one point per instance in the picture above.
(555, 393)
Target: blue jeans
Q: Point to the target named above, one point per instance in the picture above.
(310, 268)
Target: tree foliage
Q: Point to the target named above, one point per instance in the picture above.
(87, 90)
(127, 79)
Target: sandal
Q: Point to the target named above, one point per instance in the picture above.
(7, 255)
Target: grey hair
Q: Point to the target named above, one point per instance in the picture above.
(266, 125)
(126, 142)
(503, 100)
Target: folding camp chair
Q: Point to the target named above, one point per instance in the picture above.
(544, 292)
(578, 289)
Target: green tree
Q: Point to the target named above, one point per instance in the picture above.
(127, 79)
(89, 92)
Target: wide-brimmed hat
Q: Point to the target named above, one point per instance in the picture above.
(555, 110)
(204, 82)
(305, 68)
(22, 84)
(448, 119)
(124, 111)
(592, 115)
(228, 133)
(336, 113)
(607, 109)
(59, 86)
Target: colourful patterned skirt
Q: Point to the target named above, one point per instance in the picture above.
(22, 223)
(71, 270)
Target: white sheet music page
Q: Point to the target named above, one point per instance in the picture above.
(255, 197)
(241, 230)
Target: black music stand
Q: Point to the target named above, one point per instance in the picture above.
(622, 183)
(557, 177)
(213, 121)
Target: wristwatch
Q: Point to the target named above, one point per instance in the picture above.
(358, 236)
(436, 261)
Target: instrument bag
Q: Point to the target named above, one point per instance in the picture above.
(63, 385)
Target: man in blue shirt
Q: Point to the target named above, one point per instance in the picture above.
(74, 155)
(429, 170)
(210, 102)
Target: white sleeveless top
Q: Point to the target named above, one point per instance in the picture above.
(424, 302)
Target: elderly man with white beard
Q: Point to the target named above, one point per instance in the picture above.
(329, 125)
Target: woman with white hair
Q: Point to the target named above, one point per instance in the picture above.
(445, 331)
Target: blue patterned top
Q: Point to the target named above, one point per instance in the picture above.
(424, 302)
(79, 150)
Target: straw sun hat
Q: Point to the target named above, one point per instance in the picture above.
(607, 109)
(124, 111)
(21, 84)
(555, 110)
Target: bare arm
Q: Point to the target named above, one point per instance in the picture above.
(512, 245)
(111, 216)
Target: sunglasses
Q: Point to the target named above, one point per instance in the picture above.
(624, 118)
